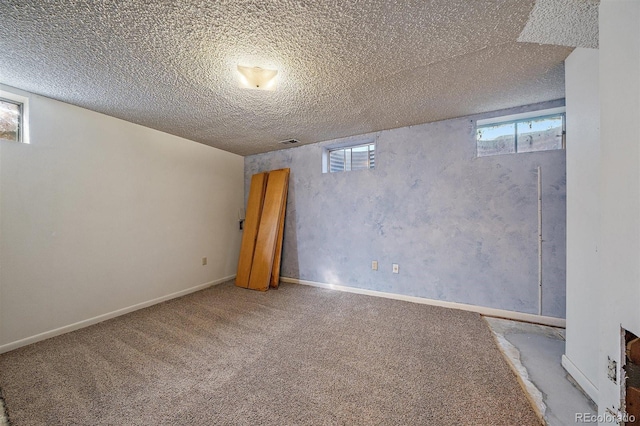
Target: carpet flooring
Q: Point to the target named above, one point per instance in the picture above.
(294, 356)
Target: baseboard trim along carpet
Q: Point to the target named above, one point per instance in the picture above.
(482, 310)
(580, 378)
(85, 323)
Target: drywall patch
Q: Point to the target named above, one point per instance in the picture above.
(572, 23)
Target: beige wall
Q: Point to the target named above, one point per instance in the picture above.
(99, 216)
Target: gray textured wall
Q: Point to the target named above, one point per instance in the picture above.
(463, 229)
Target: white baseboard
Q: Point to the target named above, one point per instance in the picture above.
(490, 312)
(580, 378)
(85, 323)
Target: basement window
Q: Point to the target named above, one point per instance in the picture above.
(349, 158)
(13, 117)
(528, 132)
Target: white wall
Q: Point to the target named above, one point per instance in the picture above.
(583, 219)
(619, 297)
(99, 215)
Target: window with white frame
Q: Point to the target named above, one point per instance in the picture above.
(527, 132)
(349, 158)
(13, 117)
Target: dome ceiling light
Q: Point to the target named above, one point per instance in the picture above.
(257, 78)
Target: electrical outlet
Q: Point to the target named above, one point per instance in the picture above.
(204, 261)
(396, 268)
(374, 265)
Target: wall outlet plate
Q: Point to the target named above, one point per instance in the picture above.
(204, 261)
(396, 268)
(374, 265)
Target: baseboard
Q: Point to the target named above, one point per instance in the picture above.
(490, 312)
(85, 323)
(580, 379)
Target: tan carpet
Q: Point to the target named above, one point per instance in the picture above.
(295, 356)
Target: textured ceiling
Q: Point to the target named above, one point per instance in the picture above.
(345, 67)
(563, 22)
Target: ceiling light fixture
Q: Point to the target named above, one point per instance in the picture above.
(257, 78)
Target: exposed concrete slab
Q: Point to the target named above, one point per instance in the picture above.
(536, 352)
(4, 421)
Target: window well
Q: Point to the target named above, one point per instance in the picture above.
(13, 117)
(527, 132)
(349, 158)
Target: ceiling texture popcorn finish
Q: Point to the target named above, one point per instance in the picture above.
(563, 22)
(344, 67)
